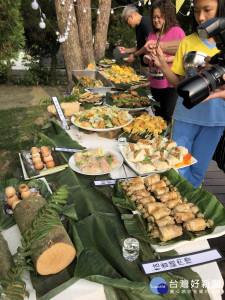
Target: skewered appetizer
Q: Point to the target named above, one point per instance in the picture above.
(130, 100)
(165, 210)
(102, 118)
(93, 161)
(145, 125)
(158, 154)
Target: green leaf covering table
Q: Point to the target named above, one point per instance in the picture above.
(97, 230)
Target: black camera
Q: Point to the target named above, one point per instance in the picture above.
(196, 88)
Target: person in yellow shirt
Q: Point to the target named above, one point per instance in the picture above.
(198, 129)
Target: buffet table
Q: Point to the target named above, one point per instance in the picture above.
(96, 228)
(105, 269)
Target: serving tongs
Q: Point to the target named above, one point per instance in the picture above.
(65, 149)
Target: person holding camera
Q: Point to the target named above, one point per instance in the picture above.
(218, 93)
(199, 129)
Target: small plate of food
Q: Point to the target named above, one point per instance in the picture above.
(102, 119)
(95, 161)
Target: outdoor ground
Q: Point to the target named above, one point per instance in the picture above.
(12, 96)
(20, 120)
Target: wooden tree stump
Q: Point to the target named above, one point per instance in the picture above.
(6, 260)
(56, 249)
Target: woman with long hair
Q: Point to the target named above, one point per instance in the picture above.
(163, 21)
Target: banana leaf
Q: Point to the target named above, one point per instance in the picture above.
(141, 92)
(6, 214)
(207, 203)
(97, 231)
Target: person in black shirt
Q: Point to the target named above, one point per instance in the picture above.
(142, 25)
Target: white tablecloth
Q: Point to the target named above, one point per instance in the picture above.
(86, 290)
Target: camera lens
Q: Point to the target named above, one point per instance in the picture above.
(195, 89)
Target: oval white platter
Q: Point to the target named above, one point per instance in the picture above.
(76, 169)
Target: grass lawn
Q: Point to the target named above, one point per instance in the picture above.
(18, 127)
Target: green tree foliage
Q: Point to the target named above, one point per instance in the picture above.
(11, 29)
(11, 35)
(41, 42)
(119, 32)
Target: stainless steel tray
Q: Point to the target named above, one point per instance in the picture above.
(96, 75)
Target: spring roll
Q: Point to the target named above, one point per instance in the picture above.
(161, 212)
(167, 196)
(194, 209)
(184, 207)
(146, 200)
(168, 220)
(181, 217)
(160, 191)
(156, 185)
(135, 180)
(154, 233)
(197, 224)
(151, 207)
(170, 232)
(172, 203)
(134, 187)
(139, 195)
(152, 179)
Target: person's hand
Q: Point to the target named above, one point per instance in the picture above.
(218, 93)
(158, 58)
(131, 58)
(146, 59)
(207, 62)
(122, 50)
(150, 46)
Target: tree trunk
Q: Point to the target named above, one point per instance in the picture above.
(6, 260)
(71, 48)
(102, 28)
(54, 51)
(84, 22)
(56, 250)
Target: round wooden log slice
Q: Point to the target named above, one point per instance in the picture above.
(6, 260)
(56, 248)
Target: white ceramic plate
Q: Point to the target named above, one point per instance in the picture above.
(130, 109)
(76, 169)
(133, 166)
(219, 231)
(102, 130)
